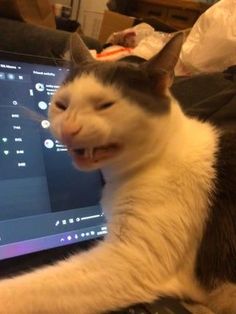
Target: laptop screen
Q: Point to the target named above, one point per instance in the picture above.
(44, 201)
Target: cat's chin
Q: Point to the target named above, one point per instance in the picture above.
(86, 166)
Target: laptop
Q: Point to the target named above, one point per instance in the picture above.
(47, 207)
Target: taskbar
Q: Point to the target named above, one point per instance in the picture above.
(51, 241)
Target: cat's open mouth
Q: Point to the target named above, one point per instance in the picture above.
(95, 154)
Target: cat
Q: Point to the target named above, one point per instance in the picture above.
(169, 194)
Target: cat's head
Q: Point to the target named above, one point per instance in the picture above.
(104, 111)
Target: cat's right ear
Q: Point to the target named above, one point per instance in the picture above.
(79, 52)
(160, 67)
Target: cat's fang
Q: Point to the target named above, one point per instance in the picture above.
(86, 153)
(90, 152)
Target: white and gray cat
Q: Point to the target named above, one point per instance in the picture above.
(169, 195)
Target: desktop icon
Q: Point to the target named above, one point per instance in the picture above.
(40, 87)
(49, 143)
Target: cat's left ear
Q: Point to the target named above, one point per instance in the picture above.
(160, 67)
(78, 50)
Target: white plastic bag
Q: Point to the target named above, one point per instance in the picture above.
(142, 40)
(151, 44)
(211, 44)
(131, 37)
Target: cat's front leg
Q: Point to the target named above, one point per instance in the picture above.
(108, 277)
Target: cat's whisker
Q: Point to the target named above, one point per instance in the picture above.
(27, 113)
(32, 115)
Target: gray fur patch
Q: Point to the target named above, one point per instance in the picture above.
(130, 78)
(216, 259)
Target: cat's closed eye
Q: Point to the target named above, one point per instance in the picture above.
(60, 104)
(105, 105)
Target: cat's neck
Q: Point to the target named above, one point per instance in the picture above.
(164, 131)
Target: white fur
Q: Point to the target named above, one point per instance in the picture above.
(156, 204)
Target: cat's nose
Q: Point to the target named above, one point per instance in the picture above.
(69, 131)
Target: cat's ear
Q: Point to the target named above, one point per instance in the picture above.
(160, 67)
(78, 50)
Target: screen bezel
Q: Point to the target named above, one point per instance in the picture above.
(34, 59)
(15, 265)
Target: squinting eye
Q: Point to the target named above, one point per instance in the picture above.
(105, 105)
(60, 105)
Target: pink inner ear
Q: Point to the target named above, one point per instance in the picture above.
(163, 83)
(161, 66)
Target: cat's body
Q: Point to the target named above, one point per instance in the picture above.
(171, 213)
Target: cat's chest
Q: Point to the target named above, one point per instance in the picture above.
(139, 192)
(160, 190)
